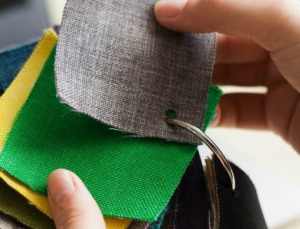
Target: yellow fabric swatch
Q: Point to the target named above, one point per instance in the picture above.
(17, 94)
(38, 200)
(10, 104)
(41, 202)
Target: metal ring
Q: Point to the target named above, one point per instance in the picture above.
(213, 147)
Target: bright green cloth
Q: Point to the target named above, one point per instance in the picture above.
(129, 177)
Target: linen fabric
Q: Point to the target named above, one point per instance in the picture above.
(189, 206)
(135, 172)
(9, 109)
(239, 210)
(6, 222)
(41, 203)
(138, 225)
(192, 210)
(11, 102)
(16, 206)
(38, 200)
(83, 145)
(12, 61)
(169, 220)
(115, 63)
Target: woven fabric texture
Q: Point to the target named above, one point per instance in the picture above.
(138, 225)
(9, 108)
(192, 200)
(16, 206)
(129, 177)
(7, 222)
(41, 202)
(38, 200)
(117, 64)
(12, 61)
(241, 210)
(169, 220)
(111, 163)
(11, 102)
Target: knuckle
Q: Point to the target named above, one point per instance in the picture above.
(70, 219)
(281, 22)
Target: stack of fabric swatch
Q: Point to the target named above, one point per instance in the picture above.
(137, 182)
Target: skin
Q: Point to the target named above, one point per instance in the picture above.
(258, 44)
(71, 204)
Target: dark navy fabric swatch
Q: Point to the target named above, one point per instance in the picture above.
(12, 61)
(192, 200)
(242, 209)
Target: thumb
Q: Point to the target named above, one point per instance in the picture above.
(270, 23)
(71, 204)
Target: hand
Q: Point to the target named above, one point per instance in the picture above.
(71, 204)
(258, 44)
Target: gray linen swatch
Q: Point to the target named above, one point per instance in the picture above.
(116, 64)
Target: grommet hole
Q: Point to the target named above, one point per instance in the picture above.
(171, 113)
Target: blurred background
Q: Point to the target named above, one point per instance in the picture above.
(273, 166)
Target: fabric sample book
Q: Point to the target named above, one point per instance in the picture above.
(60, 137)
(10, 106)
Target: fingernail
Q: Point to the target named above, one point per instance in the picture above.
(169, 8)
(63, 186)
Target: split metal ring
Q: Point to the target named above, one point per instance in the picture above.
(210, 144)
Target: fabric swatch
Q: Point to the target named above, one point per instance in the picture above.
(169, 220)
(6, 222)
(138, 225)
(38, 200)
(83, 145)
(41, 201)
(13, 204)
(51, 135)
(115, 63)
(192, 200)
(10, 104)
(12, 61)
(241, 209)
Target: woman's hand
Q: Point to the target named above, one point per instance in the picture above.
(71, 204)
(258, 44)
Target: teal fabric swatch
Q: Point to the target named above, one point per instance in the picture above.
(11, 62)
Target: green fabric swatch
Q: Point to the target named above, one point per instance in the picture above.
(130, 177)
(214, 96)
(16, 206)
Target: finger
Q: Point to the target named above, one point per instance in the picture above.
(71, 204)
(240, 74)
(232, 49)
(272, 24)
(241, 111)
